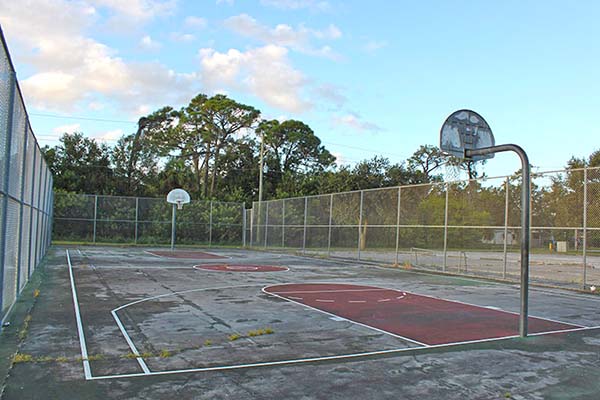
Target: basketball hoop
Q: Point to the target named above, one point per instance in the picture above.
(177, 197)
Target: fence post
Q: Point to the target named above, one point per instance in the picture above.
(330, 222)
(22, 209)
(39, 202)
(505, 252)
(283, 224)
(266, 224)
(210, 224)
(251, 225)
(398, 224)
(31, 213)
(95, 217)
(4, 210)
(446, 230)
(585, 186)
(360, 217)
(137, 208)
(305, 221)
(243, 225)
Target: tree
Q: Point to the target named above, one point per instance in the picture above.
(81, 165)
(425, 161)
(292, 150)
(224, 117)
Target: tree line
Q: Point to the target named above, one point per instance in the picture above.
(211, 148)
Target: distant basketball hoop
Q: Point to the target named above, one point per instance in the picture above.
(177, 197)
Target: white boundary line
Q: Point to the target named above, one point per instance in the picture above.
(304, 360)
(325, 358)
(84, 354)
(184, 258)
(199, 267)
(134, 350)
(345, 319)
(375, 288)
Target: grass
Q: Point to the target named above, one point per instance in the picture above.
(22, 358)
(233, 337)
(165, 353)
(208, 342)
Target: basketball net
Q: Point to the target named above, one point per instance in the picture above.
(451, 172)
(179, 204)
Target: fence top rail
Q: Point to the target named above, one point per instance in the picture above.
(432, 184)
(18, 87)
(142, 198)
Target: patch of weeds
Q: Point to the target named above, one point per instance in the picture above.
(260, 332)
(25, 329)
(36, 293)
(233, 337)
(146, 354)
(208, 342)
(164, 353)
(95, 357)
(129, 356)
(44, 359)
(407, 265)
(61, 359)
(22, 358)
(507, 395)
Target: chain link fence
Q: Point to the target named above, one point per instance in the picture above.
(465, 227)
(25, 190)
(146, 221)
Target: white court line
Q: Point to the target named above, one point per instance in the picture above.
(349, 320)
(132, 347)
(416, 294)
(185, 258)
(325, 358)
(325, 301)
(331, 291)
(84, 354)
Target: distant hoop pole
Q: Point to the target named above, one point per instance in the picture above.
(173, 227)
(525, 212)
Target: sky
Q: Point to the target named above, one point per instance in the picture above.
(370, 78)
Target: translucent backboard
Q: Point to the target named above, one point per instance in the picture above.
(465, 129)
(179, 197)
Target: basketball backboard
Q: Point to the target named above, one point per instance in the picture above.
(466, 130)
(179, 197)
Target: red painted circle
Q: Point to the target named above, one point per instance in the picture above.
(240, 268)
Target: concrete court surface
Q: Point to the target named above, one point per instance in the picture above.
(157, 328)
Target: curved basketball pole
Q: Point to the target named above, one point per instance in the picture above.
(525, 211)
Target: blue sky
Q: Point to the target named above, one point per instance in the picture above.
(370, 78)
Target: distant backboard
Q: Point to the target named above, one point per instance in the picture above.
(465, 129)
(179, 197)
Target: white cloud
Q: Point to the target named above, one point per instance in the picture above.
(195, 22)
(73, 70)
(264, 72)
(298, 39)
(229, 2)
(70, 129)
(139, 10)
(315, 5)
(108, 136)
(374, 45)
(354, 121)
(330, 93)
(182, 37)
(148, 43)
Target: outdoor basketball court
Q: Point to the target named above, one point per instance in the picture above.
(133, 318)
